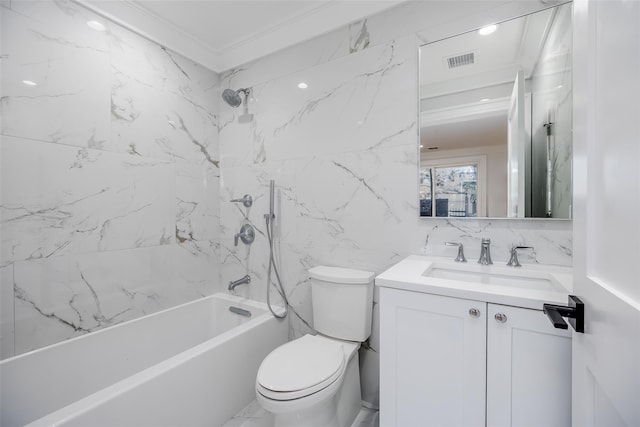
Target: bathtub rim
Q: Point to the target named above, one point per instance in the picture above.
(222, 295)
(87, 403)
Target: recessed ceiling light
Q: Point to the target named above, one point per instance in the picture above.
(487, 30)
(29, 83)
(559, 87)
(95, 25)
(485, 100)
(303, 85)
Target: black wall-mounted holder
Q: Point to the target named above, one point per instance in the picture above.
(574, 312)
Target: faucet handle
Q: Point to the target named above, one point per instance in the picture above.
(513, 260)
(247, 234)
(460, 257)
(246, 200)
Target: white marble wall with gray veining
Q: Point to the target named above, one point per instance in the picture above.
(344, 156)
(110, 176)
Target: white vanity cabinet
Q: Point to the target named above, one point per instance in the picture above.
(448, 361)
(528, 369)
(432, 360)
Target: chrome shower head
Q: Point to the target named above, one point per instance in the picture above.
(233, 98)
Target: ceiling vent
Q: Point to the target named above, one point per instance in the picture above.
(461, 60)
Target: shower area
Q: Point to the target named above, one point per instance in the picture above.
(110, 175)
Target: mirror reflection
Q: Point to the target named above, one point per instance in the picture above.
(495, 120)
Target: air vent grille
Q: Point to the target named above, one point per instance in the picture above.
(461, 60)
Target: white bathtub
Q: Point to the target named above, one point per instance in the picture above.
(191, 365)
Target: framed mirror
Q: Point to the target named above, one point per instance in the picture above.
(495, 120)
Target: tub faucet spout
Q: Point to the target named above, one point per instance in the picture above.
(240, 281)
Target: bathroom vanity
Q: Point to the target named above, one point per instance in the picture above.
(464, 344)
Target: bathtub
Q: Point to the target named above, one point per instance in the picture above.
(191, 365)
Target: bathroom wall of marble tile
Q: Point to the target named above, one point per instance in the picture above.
(110, 176)
(343, 153)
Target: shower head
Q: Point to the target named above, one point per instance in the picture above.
(233, 98)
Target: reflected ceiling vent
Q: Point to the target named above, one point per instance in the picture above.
(461, 60)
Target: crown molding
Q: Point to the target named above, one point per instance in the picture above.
(308, 24)
(154, 28)
(313, 23)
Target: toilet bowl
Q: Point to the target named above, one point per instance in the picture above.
(314, 380)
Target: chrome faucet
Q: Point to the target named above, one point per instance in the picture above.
(460, 257)
(240, 281)
(513, 261)
(485, 253)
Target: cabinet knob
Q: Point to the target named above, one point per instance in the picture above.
(500, 317)
(474, 312)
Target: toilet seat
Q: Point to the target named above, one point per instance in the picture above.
(300, 368)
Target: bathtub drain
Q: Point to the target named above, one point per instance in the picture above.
(240, 311)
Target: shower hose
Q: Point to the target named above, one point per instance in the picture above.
(274, 267)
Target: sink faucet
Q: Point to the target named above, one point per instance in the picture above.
(460, 257)
(240, 281)
(513, 261)
(485, 253)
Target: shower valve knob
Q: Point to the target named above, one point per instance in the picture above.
(247, 234)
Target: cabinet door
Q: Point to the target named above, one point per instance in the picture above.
(528, 369)
(432, 360)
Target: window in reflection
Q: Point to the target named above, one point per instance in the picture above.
(452, 189)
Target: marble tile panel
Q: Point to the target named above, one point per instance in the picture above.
(325, 221)
(552, 239)
(70, 103)
(198, 201)
(59, 199)
(253, 415)
(162, 105)
(67, 296)
(6, 312)
(348, 106)
(152, 122)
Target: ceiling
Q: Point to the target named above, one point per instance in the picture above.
(223, 34)
(475, 97)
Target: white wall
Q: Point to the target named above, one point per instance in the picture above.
(110, 178)
(344, 157)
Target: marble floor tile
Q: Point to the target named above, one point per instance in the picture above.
(254, 416)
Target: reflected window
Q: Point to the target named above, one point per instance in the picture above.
(453, 190)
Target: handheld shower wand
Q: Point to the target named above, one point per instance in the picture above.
(269, 217)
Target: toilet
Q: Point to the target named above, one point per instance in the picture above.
(314, 380)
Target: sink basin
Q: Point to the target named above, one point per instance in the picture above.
(495, 275)
(529, 286)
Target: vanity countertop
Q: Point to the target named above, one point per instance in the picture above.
(528, 286)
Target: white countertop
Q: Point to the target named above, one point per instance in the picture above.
(408, 275)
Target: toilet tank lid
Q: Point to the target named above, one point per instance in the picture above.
(341, 275)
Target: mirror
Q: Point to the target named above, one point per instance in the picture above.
(495, 120)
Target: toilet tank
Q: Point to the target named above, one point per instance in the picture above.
(342, 300)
